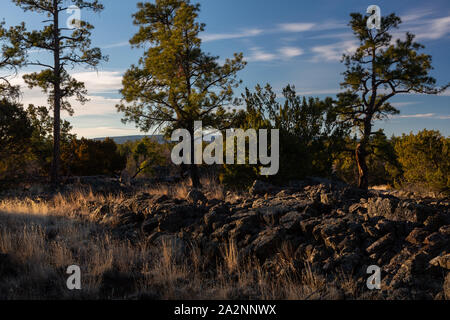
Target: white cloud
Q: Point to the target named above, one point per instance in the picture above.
(403, 104)
(225, 36)
(296, 27)
(257, 54)
(100, 82)
(433, 29)
(334, 52)
(446, 93)
(96, 83)
(306, 92)
(414, 16)
(424, 27)
(290, 52)
(423, 116)
(97, 105)
(98, 132)
(116, 45)
(419, 115)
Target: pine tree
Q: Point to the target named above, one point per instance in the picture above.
(376, 72)
(68, 47)
(175, 83)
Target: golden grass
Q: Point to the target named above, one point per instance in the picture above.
(43, 237)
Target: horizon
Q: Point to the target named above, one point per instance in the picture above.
(283, 42)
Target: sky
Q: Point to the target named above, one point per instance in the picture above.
(297, 42)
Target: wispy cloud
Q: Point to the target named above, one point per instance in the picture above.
(333, 52)
(257, 54)
(290, 52)
(433, 29)
(100, 82)
(225, 36)
(97, 83)
(419, 115)
(403, 104)
(423, 26)
(296, 27)
(116, 45)
(307, 92)
(106, 132)
(293, 27)
(283, 53)
(422, 116)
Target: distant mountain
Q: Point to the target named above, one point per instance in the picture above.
(121, 140)
(159, 138)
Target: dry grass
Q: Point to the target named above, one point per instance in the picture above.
(231, 257)
(42, 238)
(212, 189)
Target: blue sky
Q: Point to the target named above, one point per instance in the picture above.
(285, 42)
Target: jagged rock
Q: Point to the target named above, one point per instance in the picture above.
(332, 228)
(195, 196)
(408, 211)
(437, 239)
(445, 230)
(291, 221)
(271, 215)
(385, 226)
(447, 286)
(384, 207)
(417, 236)
(396, 210)
(381, 243)
(358, 208)
(267, 243)
(308, 225)
(434, 222)
(150, 225)
(329, 199)
(216, 216)
(174, 217)
(441, 261)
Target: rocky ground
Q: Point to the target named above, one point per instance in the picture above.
(330, 228)
(322, 232)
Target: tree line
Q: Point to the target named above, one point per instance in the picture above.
(175, 83)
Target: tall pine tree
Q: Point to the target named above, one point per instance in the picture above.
(175, 83)
(379, 70)
(67, 46)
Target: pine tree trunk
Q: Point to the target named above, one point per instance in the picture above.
(56, 99)
(193, 168)
(363, 171)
